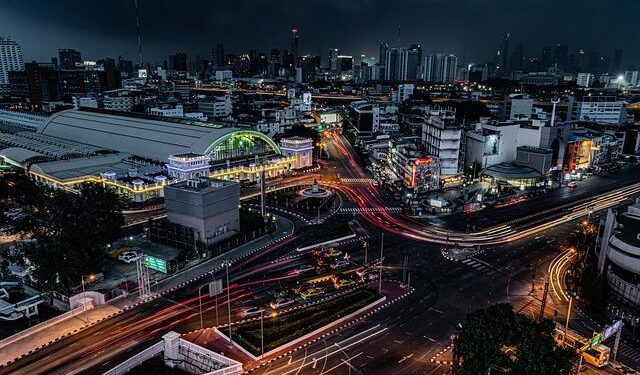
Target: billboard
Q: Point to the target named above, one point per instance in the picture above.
(425, 175)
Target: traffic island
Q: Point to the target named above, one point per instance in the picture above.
(286, 333)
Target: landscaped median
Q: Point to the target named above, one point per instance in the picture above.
(283, 329)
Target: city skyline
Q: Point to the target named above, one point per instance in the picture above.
(342, 27)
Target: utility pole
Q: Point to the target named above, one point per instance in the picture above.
(366, 247)
(262, 208)
(566, 325)
(381, 254)
(227, 263)
(544, 298)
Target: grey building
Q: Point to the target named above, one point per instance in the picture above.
(208, 206)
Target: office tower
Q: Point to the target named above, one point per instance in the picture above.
(125, 66)
(177, 62)
(10, 59)
(616, 64)
(333, 59)
(344, 64)
(593, 64)
(502, 56)
(439, 67)
(582, 61)
(546, 60)
(382, 56)
(306, 70)
(391, 65)
(561, 55)
(69, 58)
(295, 44)
(408, 61)
(218, 55)
(517, 60)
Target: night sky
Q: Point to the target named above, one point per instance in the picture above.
(471, 28)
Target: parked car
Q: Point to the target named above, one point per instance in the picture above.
(281, 302)
(128, 257)
(251, 311)
(572, 184)
(343, 283)
(311, 293)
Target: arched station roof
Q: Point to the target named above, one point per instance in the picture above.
(153, 137)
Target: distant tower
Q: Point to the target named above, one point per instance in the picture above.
(502, 56)
(139, 36)
(295, 51)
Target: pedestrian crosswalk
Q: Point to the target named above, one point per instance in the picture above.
(354, 210)
(478, 266)
(356, 180)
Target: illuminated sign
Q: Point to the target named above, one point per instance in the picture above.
(611, 329)
(155, 263)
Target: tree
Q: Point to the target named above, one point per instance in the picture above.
(498, 337)
(70, 229)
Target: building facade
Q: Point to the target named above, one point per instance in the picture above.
(11, 60)
(300, 148)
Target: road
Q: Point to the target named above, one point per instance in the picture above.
(401, 339)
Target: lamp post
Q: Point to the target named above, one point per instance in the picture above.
(262, 334)
(84, 303)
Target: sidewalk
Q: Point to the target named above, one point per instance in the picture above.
(54, 333)
(65, 328)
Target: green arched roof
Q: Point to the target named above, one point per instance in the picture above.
(243, 132)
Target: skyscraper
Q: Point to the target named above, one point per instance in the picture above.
(68, 58)
(546, 59)
(408, 61)
(218, 55)
(391, 65)
(10, 59)
(382, 57)
(560, 56)
(439, 67)
(517, 60)
(333, 59)
(177, 62)
(616, 64)
(502, 56)
(295, 44)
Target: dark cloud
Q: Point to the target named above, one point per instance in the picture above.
(470, 27)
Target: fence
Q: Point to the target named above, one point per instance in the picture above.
(137, 359)
(43, 325)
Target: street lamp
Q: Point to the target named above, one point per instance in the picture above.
(566, 325)
(84, 302)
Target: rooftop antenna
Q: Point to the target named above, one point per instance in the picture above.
(139, 36)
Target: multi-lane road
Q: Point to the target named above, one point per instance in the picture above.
(398, 340)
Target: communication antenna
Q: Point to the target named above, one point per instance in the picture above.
(555, 100)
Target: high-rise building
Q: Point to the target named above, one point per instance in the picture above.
(391, 65)
(295, 44)
(306, 68)
(333, 59)
(516, 64)
(69, 58)
(561, 56)
(344, 64)
(218, 55)
(10, 59)
(502, 56)
(37, 83)
(584, 79)
(439, 67)
(616, 64)
(125, 66)
(582, 62)
(547, 59)
(177, 62)
(382, 56)
(408, 62)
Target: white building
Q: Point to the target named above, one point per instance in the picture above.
(85, 102)
(168, 111)
(632, 78)
(222, 75)
(619, 260)
(217, 107)
(596, 107)
(585, 79)
(299, 147)
(441, 136)
(120, 100)
(10, 59)
(403, 93)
